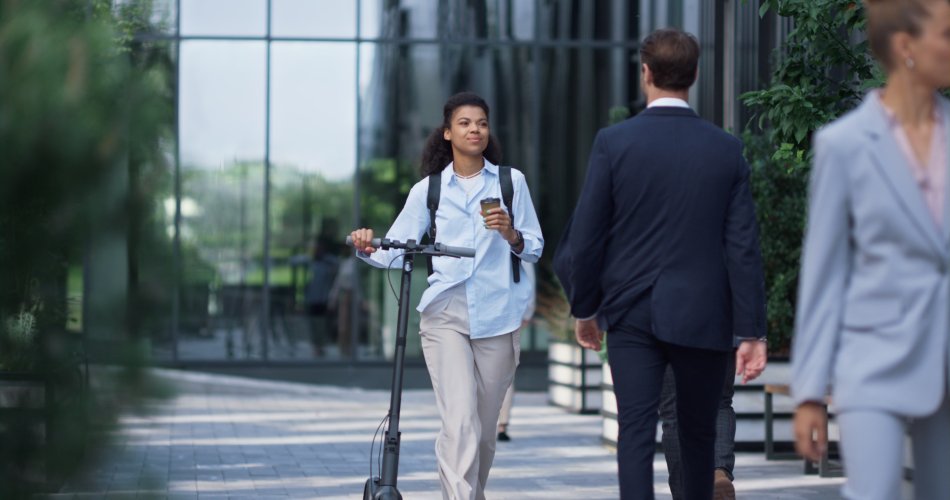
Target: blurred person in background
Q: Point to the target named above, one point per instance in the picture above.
(873, 323)
(505, 417)
(322, 270)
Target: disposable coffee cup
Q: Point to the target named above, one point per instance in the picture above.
(488, 204)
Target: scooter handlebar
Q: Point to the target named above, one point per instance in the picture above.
(434, 249)
(455, 251)
(375, 242)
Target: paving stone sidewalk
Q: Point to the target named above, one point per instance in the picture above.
(228, 437)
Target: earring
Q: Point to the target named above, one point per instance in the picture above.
(909, 62)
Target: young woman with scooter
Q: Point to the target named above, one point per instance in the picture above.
(472, 309)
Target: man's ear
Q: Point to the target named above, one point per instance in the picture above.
(647, 74)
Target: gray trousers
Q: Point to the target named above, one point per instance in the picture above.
(725, 429)
(469, 378)
(872, 445)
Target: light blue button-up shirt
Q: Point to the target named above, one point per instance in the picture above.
(496, 303)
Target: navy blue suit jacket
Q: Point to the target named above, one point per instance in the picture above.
(666, 222)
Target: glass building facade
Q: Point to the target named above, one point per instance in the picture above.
(299, 120)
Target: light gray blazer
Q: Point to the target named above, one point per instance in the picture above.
(872, 321)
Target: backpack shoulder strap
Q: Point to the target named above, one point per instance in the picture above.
(508, 196)
(432, 203)
(507, 187)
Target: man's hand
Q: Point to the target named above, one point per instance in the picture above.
(750, 359)
(588, 333)
(811, 430)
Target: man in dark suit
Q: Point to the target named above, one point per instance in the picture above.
(663, 252)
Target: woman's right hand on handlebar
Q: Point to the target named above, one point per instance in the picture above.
(362, 239)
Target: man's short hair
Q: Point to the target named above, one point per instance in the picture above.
(672, 56)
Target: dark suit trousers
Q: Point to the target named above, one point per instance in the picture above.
(638, 362)
(725, 429)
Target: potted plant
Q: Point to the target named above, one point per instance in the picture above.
(574, 373)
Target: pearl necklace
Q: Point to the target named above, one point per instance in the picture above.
(476, 174)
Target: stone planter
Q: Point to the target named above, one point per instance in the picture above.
(26, 395)
(574, 378)
(610, 429)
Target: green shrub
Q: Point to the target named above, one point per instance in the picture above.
(83, 110)
(821, 71)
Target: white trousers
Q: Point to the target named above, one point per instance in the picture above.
(470, 378)
(872, 445)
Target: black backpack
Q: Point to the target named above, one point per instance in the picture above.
(507, 195)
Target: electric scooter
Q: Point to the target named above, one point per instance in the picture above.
(383, 487)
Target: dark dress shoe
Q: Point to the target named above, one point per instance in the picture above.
(722, 487)
(503, 436)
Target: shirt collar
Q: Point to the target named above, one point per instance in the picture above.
(890, 116)
(672, 102)
(448, 172)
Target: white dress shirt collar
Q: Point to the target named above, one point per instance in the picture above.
(670, 102)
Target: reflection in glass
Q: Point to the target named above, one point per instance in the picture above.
(369, 14)
(159, 14)
(547, 103)
(521, 19)
(403, 19)
(151, 232)
(222, 102)
(594, 74)
(222, 175)
(581, 86)
(496, 19)
(313, 18)
(313, 106)
(586, 20)
(224, 17)
(313, 159)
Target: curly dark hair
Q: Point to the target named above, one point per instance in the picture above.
(437, 153)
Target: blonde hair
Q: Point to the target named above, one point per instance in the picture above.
(889, 17)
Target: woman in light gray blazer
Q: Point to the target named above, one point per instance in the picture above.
(873, 323)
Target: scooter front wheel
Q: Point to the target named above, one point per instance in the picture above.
(369, 491)
(388, 493)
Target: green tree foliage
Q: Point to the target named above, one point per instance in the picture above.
(83, 110)
(823, 70)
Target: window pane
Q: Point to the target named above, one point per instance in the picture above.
(522, 19)
(612, 20)
(407, 19)
(222, 102)
(222, 237)
(370, 13)
(313, 160)
(314, 110)
(314, 18)
(224, 17)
